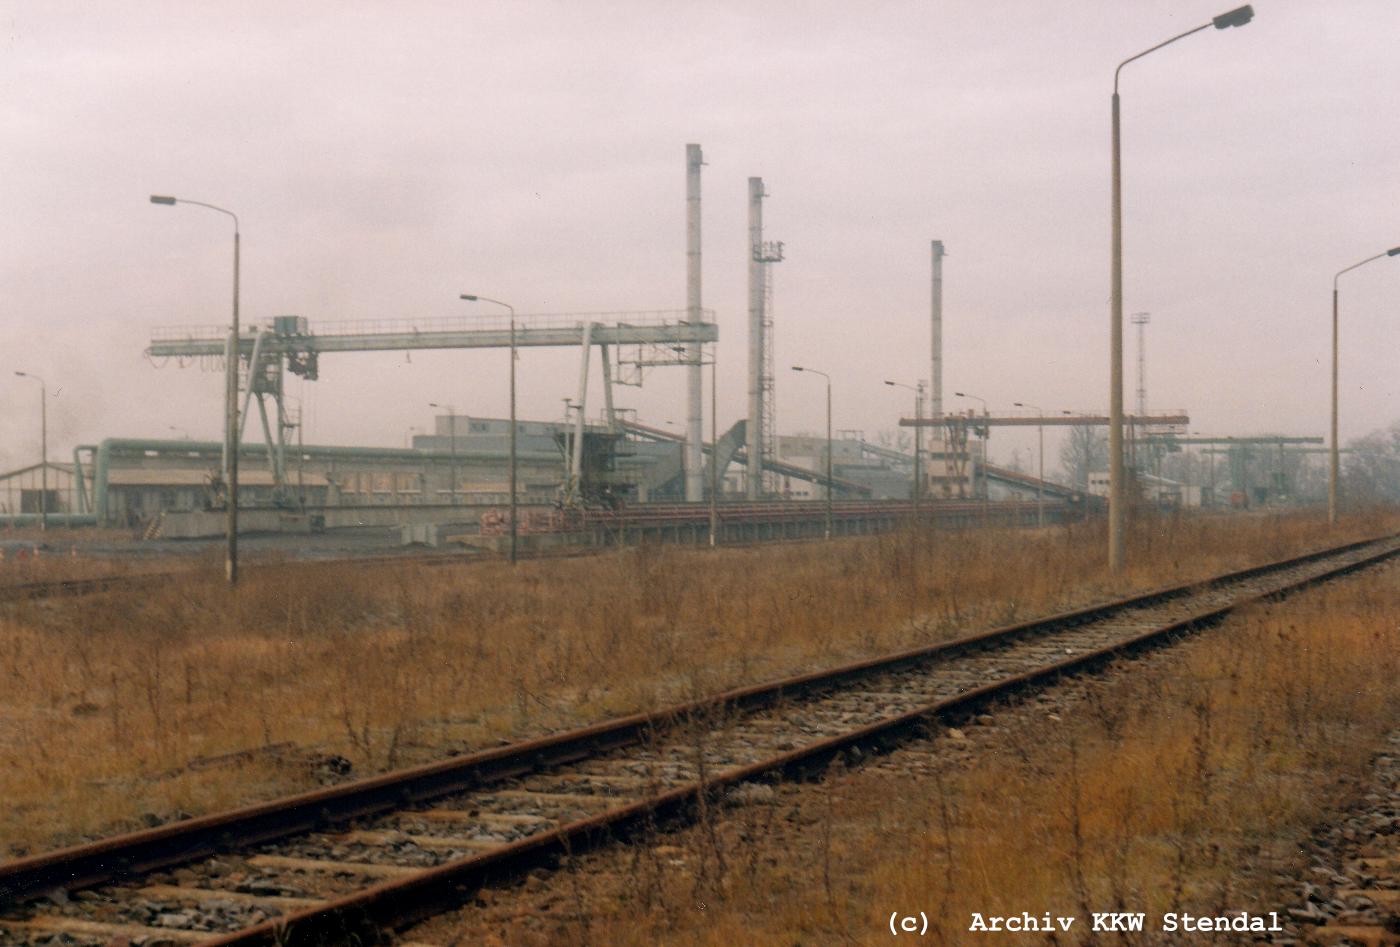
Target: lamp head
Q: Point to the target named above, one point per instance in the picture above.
(469, 297)
(1236, 17)
(1018, 404)
(797, 368)
(161, 199)
(22, 374)
(1393, 251)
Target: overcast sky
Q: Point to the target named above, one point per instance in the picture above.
(384, 158)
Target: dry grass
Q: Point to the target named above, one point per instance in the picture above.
(1183, 788)
(106, 700)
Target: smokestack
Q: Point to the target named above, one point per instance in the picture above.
(754, 445)
(936, 380)
(695, 412)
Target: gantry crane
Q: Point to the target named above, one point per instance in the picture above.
(289, 344)
(1239, 451)
(956, 428)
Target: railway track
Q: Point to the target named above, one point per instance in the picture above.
(344, 863)
(57, 588)
(60, 588)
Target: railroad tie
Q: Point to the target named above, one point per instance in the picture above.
(331, 867)
(57, 924)
(201, 895)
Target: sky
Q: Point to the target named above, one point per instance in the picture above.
(384, 158)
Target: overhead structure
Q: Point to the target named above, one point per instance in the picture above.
(1240, 451)
(289, 344)
(761, 447)
(1165, 419)
(729, 451)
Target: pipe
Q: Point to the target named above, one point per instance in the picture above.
(64, 519)
(99, 480)
(695, 412)
(80, 481)
(576, 462)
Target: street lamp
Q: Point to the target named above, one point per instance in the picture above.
(452, 448)
(232, 357)
(1334, 460)
(829, 484)
(43, 449)
(513, 455)
(918, 441)
(1117, 500)
(1040, 478)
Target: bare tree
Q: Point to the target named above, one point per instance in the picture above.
(1085, 450)
(1371, 473)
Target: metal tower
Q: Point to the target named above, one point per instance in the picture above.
(761, 429)
(1141, 319)
(771, 252)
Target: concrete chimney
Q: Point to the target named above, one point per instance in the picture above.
(694, 393)
(754, 445)
(936, 379)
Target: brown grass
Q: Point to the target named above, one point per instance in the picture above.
(108, 700)
(1182, 787)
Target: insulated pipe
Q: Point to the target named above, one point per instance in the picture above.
(576, 463)
(694, 391)
(78, 476)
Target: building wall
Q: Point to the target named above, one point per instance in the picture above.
(20, 490)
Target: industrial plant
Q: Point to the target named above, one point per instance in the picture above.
(601, 474)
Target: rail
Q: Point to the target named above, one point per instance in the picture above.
(462, 817)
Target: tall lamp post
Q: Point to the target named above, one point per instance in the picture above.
(452, 446)
(1040, 477)
(918, 442)
(829, 486)
(43, 449)
(231, 363)
(1117, 499)
(1334, 458)
(514, 457)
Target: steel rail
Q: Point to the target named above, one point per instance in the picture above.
(396, 904)
(134, 854)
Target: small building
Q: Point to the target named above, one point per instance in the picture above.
(1159, 491)
(22, 490)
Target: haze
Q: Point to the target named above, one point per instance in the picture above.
(385, 158)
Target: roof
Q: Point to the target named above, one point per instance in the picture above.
(52, 465)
